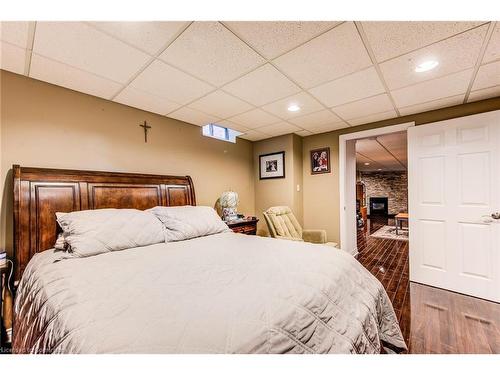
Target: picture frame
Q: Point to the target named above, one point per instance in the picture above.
(272, 165)
(320, 160)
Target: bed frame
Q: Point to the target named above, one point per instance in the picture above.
(39, 193)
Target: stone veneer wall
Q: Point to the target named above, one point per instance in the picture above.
(393, 185)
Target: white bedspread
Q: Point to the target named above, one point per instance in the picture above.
(224, 293)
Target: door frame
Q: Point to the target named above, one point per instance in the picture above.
(348, 240)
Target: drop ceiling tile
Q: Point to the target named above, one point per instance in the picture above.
(12, 58)
(315, 119)
(493, 49)
(306, 103)
(364, 107)
(264, 85)
(83, 47)
(332, 55)
(434, 104)
(255, 119)
(233, 125)
(350, 88)
(373, 118)
(15, 32)
(72, 78)
(193, 116)
(490, 92)
(450, 85)
(143, 100)
(220, 104)
(211, 52)
(453, 54)
(279, 129)
(304, 133)
(328, 128)
(272, 39)
(170, 83)
(149, 37)
(254, 135)
(487, 76)
(391, 39)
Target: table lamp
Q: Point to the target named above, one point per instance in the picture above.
(229, 204)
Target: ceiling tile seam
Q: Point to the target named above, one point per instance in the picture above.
(370, 52)
(359, 100)
(432, 101)
(150, 61)
(432, 79)
(480, 58)
(389, 151)
(279, 70)
(76, 68)
(436, 42)
(290, 50)
(373, 161)
(181, 30)
(29, 47)
(371, 114)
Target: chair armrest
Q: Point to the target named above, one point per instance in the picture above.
(314, 235)
(288, 238)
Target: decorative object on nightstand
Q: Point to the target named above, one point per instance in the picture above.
(246, 225)
(5, 302)
(229, 203)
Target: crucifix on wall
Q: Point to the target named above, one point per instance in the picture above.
(146, 127)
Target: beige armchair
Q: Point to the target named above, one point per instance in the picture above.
(282, 224)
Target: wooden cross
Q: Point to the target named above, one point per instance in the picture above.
(146, 127)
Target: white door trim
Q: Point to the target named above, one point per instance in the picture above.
(348, 232)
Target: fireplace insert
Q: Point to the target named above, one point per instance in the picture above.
(379, 206)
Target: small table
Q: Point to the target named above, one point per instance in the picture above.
(246, 225)
(4, 274)
(399, 220)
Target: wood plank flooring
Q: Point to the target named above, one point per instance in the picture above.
(432, 320)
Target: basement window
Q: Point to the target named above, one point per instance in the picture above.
(220, 132)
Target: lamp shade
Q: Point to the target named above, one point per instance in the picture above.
(229, 199)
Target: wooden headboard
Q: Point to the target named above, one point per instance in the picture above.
(39, 193)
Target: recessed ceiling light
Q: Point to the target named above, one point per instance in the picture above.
(367, 163)
(293, 108)
(426, 66)
(379, 169)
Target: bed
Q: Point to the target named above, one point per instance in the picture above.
(220, 293)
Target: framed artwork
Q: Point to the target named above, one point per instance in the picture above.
(272, 165)
(320, 160)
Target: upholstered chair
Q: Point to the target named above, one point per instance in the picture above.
(282, 224)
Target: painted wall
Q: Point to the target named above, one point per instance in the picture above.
(43, 125)
(279, 191)
(321, 192)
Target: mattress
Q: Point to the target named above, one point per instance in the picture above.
(224, 293)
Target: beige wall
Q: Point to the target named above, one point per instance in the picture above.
(321, 192)
(279, 191)
(48, 126)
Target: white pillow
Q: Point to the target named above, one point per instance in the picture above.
(185, 222)
(93, 232)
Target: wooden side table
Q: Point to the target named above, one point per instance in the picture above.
(246, 225)
(399, 220)
(4, 275)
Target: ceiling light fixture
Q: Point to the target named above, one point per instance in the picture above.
(293, 108)
(367, 163)
(426, 66)
(379, 169)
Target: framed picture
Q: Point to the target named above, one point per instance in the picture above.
(272, 165)
(320, 160)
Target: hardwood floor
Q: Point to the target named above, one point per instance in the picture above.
(432, 320)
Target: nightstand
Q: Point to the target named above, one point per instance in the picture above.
(245, 226)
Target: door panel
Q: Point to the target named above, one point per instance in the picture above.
(454, 186)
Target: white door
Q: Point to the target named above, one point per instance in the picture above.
(454, 187)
